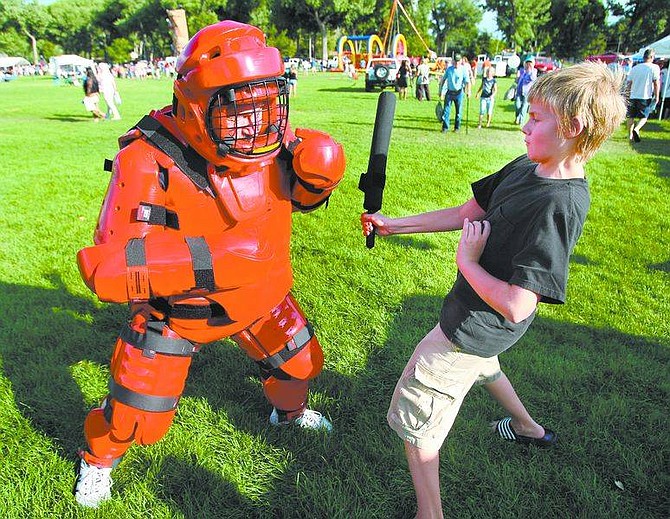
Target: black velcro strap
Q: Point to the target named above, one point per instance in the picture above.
(154, 404)
(292, 348)
(135, 252)
(193, 165)
(201, 258)
(213, 311)
(157, 215)
(309, 187)
(108, 165)
(302, 207)
(153, 342)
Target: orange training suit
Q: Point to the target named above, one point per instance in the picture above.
(198, 261)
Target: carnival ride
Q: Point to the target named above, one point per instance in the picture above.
(359, 50)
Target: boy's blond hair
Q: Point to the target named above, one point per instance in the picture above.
(589, 91)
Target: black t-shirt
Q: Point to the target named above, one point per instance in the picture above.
(535, 224)
(487, 87)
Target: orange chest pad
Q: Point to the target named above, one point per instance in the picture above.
(249, 196)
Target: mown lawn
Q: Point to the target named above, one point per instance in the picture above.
(595, 370)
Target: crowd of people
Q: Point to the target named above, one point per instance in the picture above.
(645, 88)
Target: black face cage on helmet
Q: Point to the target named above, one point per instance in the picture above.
(249, 119)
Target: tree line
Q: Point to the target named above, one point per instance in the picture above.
(123, 30)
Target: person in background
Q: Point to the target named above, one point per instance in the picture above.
(487, 90)
(109, 91)
(518, 232)
(644, 84)
(402, 79)
(423, 81)
(525, 78)
(455, 86)
(665, 92)
(92, 95)
(293, 81)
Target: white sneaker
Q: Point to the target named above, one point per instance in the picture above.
(94, 485)
(309, 419)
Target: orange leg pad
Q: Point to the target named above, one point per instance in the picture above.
(286, 395)
(144, 392)
(283, 340)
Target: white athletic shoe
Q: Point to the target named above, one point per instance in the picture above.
(309, 419)
(94, 485)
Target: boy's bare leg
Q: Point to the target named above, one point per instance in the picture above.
(502, 390)
(424, 465)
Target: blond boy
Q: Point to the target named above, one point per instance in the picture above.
(518, 231)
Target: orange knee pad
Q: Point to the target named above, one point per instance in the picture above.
(148, 372)
(284, 346)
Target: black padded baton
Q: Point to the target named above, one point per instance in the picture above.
(373, 181)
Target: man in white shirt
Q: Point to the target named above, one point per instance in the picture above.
(643, 81)
(423, 81)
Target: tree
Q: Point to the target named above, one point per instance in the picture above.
(31, 20)
(454, 23)
(642, 22)
(577, 27)
(316, 16)
(521, 21)
(119, 50)
(72, 24)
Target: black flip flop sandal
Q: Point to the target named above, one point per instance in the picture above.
(506, 432)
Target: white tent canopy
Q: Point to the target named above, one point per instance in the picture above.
(6, 62)
(68, 63)
(661, 49)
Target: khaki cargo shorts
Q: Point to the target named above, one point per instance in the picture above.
(432, 387)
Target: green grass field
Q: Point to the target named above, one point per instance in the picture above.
(596, 370)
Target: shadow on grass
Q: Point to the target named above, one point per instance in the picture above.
(602, 390)
(198, 493)
(359, 89)
(663, 267)
(409, 241)
(69, 118)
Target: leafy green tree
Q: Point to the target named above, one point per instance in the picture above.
(577, 28)
(119, 50)
(454, 23)
(316, 16)
(14, 43)
(29, 19)
(72, 25)
(522, 21)
(48, 49)
(642, 22)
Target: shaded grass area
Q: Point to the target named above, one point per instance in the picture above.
(595, 369)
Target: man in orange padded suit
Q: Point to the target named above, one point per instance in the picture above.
(194, 234)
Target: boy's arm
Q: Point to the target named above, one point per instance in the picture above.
(513, 302)
(447, 219)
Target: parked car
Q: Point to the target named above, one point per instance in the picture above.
(544, 64)
(381, 72)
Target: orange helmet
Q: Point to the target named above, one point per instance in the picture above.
(230, 96)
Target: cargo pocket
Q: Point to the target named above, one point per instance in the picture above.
(424, 397)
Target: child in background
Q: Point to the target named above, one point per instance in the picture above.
(488, 90)
(518, 231)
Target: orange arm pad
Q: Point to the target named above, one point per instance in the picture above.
(169, 267)
(319, 165)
